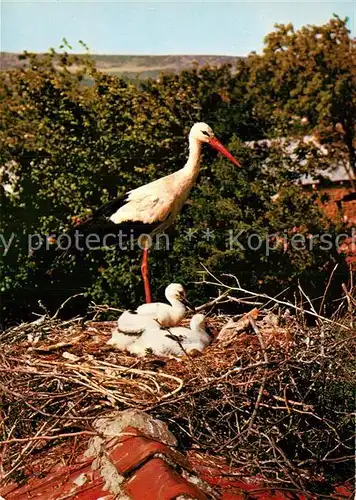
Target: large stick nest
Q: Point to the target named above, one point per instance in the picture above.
(273, 396)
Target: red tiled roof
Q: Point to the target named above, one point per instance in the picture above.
(136, 460)
(156, 479)
(135, 449)
(79, 482)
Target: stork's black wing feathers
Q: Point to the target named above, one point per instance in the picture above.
(106, 232)
(177, 338)
(111, 206)
(100, 221)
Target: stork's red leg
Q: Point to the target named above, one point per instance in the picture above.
(145, 276)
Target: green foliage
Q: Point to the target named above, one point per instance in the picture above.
(68, 147)
(309, 74)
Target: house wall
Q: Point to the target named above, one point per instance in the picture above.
(338, 210)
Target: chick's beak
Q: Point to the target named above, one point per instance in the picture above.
(209, 330)
(186, 302)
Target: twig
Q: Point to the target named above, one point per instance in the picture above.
(49, 438)
(327, 288)
(59, 345)
(263, 382)
(321, 328)
(350, 300)
(55, 316)
(281, 302)
(212, 302)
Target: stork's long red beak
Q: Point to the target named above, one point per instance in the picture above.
(217, 145)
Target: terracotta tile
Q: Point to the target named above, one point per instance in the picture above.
(6, 490)
(134, 448)
(344, 490)
(93, 491)
(272, 495)
(156, 480)
(49, 487)
(231, 495)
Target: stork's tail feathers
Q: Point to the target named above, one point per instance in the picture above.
(98, 231)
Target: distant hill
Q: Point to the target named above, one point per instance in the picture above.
(136, 66)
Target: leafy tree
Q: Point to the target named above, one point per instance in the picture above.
(305, 80)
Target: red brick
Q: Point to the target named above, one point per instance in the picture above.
(346, 212)
(347, 209)
(156, 480)
(134, 448)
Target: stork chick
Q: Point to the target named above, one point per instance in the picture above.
(176, 341)
(131, 325)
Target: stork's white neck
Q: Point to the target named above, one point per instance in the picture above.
(192, 164)
(175, 303)
(177, 311)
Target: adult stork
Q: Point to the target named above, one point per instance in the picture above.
(150, 209)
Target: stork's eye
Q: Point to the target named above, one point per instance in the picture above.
(205, 133)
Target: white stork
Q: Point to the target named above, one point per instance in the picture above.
(150, 209)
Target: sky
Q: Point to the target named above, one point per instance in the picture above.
(165, 27)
